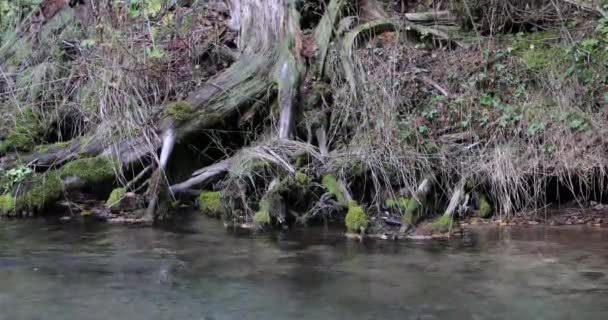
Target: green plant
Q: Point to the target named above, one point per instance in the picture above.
(423, 130)
(487, 100)
(14, 176)
(430, 115)
(535, 128)
(602, 29)
(577, 123)
(356, 219)
(155, 53)
(510, 116)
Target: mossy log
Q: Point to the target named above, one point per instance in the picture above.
(43, 190)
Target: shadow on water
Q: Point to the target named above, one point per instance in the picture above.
(193, 268)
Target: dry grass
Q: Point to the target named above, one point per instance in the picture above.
(508, 127)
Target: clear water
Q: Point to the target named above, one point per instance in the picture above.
(201, 271)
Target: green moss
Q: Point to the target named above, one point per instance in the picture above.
(485, 208)
(540, 51)
(47, 188)
(262, 217)
(209, 203)
(333, 187)
(301, 179)
(441, 225)
(179, 111)
(86, 213)
(44, 148)
(89, 170)
(115, 197)
(356, 219)
(7, 204)
(408, 206)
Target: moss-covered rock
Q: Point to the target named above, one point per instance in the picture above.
(485, 208)
(209, 203)
(90, 170)
(333, 187)
(7, 204)
(115, 197)
(48, 188)
(262, 217)
(179, 111)
(442, 224)
(356, 220)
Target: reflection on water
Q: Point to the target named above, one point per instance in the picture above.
(201, 271)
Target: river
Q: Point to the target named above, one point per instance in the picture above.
(198, 270)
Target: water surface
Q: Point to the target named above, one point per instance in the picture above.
(51, 270)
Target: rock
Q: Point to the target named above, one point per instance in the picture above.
(65, 218)
(533, 222)
(354, 236)
(598, 220)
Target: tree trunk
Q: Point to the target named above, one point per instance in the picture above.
(269, 43)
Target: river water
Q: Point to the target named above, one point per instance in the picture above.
(51, 270)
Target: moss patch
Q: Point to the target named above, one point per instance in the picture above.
(485, 208)
(262, 217)
(179, 111)
(89, 170)
(209, 203)
(356, 219)
(48, 188)
(115, 197)
(441, 225)
(333, 187)
(301, 179)
(407, 206)
(540, 51)
(7, 204)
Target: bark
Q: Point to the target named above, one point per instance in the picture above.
(269, 42)
(456, 199)
(203, 176)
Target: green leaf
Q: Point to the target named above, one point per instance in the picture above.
(87, 43)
